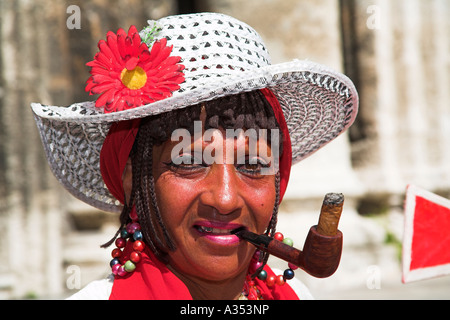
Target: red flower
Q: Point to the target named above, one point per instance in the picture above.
(128, 75)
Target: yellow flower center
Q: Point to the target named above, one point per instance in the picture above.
(133, 79)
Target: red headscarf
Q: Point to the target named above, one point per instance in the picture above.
(152, 279)
(114, 154)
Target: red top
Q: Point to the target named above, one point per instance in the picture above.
(152, 280)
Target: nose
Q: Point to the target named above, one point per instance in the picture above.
(222, 190)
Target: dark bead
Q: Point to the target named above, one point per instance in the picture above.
(124, 233)
(288, 274)
(114, 261)
(262, 275)
(137, 235)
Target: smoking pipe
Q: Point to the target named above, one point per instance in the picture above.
(323, 246)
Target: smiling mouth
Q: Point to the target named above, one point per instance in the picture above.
(216, 231)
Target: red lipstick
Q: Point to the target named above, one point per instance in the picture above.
(218, 232)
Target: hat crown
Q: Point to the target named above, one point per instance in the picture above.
(212, 45)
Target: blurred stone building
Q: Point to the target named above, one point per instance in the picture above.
(396, 51)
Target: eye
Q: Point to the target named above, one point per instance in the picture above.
(186, 162)
(253, 166)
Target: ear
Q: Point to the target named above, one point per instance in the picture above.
(127, 180)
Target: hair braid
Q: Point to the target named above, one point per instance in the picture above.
(270, 231)
(145, 201)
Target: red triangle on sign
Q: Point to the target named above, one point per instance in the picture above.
(426, 241)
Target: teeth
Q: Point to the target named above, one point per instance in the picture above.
(207, 229)
(213, 230)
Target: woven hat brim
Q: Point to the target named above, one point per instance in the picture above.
(318, 104)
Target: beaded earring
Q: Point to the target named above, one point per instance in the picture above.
(122, 263)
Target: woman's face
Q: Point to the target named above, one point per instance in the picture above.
(202, 200)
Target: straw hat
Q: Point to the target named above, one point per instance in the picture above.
(218, 56)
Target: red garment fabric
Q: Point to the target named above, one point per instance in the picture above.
(152, 280)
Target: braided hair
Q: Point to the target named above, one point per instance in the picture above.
(249, 110)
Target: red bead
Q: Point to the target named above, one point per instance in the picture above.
(116, 253)
(132, 227)
(280, 280)
(120, 243)
(115, 269)
(138, 246)
(270, 281)
(256, 255)
(135, 256)
(255, 265)
(121, 271)
(278, 236)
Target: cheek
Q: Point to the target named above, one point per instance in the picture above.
(173, 197)
(176, 199)
(259, 198)
(263, 205)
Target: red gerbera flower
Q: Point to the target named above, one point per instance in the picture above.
(128, 75)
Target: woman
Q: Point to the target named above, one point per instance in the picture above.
(192, 137)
